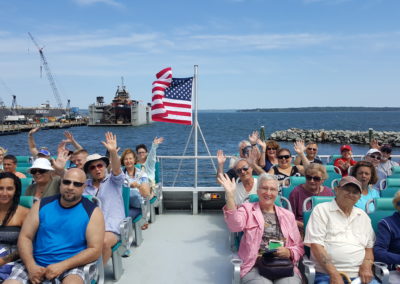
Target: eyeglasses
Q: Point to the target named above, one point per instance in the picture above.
(239, 171)
(312, 149)
(142, 152)
(99, 166)
(376, 157)
(271, 149)
(313, 178)
(287, 157)
(75, 183)
(40, 171)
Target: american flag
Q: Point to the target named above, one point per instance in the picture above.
(172, 98)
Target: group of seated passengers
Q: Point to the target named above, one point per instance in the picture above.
(49, 177)
(338, 233)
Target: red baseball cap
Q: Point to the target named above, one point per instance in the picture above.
(345, 148)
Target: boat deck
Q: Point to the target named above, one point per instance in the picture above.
(180, 248)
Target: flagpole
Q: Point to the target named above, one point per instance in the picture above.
(195, 193)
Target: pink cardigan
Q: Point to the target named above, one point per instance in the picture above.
(249, 219)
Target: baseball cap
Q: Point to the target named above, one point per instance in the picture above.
(44, 152)
(350, 180)
(372, 151)
(345, 148)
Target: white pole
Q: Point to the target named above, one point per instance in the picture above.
(195, 193)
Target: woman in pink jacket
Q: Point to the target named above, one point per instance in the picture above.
(265, 226)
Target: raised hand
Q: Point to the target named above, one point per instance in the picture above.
(262, 144)
(221, 158)
(253, 157)
(253, 137)
(69, 136)
(158, 140)
(299, 147)
(374, 144)
(229, 185)
(111, 142)
(34, 130)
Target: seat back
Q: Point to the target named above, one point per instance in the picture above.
(125, 196)
(315, 200)
(23, 159)
(383, 208)
(24, 170)
(333, 175)
(25, 182)
(26, 201)
(332, 159)
(293, 182)
(395, 172)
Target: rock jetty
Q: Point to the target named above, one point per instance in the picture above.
(337, 136)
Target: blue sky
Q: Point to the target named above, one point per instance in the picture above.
(251, 53)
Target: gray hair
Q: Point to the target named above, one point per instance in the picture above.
(266, 177)
(239, 160)
(246, 142)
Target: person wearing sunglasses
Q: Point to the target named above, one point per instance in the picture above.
(45, 183)
(311, 154)
(284, 168)
(244, 152)
(108, 188)
(374, 156)
(365, 172)
(62, 234)
(386, 163)
(387, 244)
(270, 150)
(246, 183)
(314, 186)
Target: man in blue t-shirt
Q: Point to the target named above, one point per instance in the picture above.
(60, 235)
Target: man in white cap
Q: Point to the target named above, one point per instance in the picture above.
(108, 188)
(341, 237)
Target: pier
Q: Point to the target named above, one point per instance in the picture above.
(6, 129)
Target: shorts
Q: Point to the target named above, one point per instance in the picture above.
(20, 273)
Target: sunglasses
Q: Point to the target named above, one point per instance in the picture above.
(271, 149)
(99, 166)
(239, 171)
(40, 171)
(312, 149)
(375, 157)
(75, 183)
(287, 157)
(313, 178)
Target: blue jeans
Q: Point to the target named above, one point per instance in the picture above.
(322, 278)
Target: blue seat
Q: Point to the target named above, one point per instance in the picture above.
(26, 201)
(24, 170)
(332, 159)
(23, 159)
(334, 176)
(383, 208)
(25, 182)
(390, 186)
(395, 172)
(137, 222)
(293, 181)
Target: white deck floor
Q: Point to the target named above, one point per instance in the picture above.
(180, 248)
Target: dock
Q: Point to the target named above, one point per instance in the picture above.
(6, 129)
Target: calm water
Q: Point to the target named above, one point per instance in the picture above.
(222, 130)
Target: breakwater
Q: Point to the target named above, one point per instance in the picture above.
(337, 136)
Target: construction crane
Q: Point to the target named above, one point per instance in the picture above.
(48, 72)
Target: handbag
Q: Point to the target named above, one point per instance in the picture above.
(272, 267)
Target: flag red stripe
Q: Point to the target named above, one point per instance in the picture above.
(180, 113)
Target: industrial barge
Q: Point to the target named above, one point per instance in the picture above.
(123, 111)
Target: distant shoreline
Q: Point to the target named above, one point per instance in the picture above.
(319, 109)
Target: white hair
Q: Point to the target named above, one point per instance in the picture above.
(266, 177)
(246, 142)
